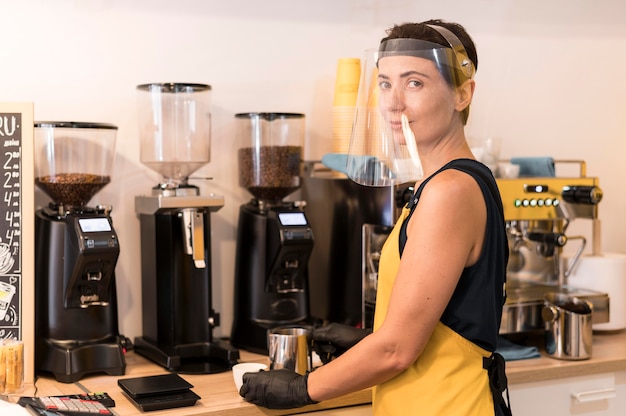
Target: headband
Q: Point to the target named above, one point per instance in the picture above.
(453, 57)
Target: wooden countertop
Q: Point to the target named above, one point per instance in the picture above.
(219, 397)
(608, 355)
(218, 393)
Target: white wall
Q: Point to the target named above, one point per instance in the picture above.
(549, 83)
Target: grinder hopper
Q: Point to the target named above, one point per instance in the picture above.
(175, 129)
(73, 160)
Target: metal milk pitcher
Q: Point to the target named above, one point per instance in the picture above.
(567, 320)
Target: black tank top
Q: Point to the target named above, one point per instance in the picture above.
(475, 309)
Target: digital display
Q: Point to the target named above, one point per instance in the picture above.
(292, 218)
(94, 225)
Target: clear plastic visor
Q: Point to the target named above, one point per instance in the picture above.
(383, 150)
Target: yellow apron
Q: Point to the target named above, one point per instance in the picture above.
(447, 379)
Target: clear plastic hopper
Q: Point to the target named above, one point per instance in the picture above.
(73, 160)
(270, 154)
(175, 129)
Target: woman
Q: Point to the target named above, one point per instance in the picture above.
(442, 269)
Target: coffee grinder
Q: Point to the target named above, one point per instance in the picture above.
(274, 238)
(77, 248)
(178, 318)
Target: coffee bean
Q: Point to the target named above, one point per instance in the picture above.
(72, 189)
(270, 173)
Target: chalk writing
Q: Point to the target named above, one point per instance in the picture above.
(10, 225)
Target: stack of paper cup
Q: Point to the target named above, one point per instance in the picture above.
(11, 366)
(344, 102)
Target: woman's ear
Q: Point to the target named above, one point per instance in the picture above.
(464, 95)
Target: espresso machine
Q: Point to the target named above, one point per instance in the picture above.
(274, 237)
(538, 211)
(175, 223)
(76, 250)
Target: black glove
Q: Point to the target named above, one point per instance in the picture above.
(276, 389)
(332, 340)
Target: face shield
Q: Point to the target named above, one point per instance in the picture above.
(383, 150)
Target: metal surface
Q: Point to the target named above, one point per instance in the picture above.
(568, 333)
(151, 204)
(290, 347)
(525, 300)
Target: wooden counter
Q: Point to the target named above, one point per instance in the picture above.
(219, 396)
(608, 355)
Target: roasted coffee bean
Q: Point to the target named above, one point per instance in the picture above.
(72, 189)
(575, 307)
(270, 173)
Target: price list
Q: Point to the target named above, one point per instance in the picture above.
(11, 225)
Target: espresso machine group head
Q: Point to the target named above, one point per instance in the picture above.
(274, 238)
(178, 318)
(76, 320)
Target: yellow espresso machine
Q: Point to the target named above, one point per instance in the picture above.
(537, 211)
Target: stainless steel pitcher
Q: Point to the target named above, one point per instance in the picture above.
(568, 333)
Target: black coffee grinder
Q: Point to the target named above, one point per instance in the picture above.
(274, 239)
(77, 248)
(178, 318)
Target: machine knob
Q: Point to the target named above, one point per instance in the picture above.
(553, 239)
(589, 195)
(547, 242)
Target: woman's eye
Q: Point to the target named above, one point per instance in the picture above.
(414, 83)
(384, 85)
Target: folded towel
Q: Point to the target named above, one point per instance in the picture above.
(511, 351)
(339, 162)
(531, 167)
(336, 161)
(366, 170)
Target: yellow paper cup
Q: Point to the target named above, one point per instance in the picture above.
(347, 81)
(12, 366)
(343, 118)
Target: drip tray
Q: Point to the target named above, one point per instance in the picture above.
(522, 310)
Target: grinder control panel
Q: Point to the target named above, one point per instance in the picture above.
(92, 249)
(291, 239)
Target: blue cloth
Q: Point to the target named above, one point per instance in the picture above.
(511, 351)
(336, 161)
(531, 167)
(339, 162)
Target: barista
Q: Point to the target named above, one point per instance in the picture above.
(442, 270)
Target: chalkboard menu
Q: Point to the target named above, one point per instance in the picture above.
(17, 215)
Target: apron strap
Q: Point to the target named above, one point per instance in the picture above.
(495, 366)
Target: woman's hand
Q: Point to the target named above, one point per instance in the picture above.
(276, 389)
(332, 340)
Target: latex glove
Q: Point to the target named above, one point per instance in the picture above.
(332, 340)
(276, 389)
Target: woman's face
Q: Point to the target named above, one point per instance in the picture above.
(414, 87)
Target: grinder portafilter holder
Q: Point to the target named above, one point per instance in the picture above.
(73, 161)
